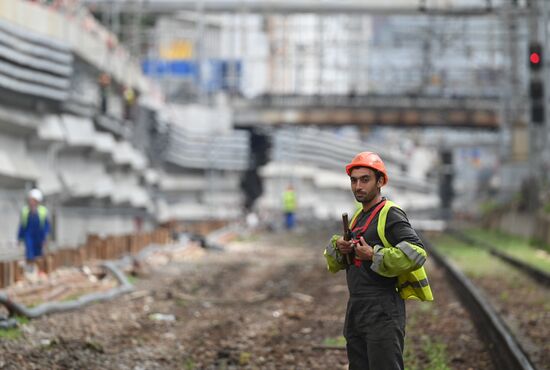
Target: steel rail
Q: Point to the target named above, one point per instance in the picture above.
(542, 277)
(505, 351)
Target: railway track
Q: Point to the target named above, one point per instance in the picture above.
(296, 307)
(538, 275)
(505, 351)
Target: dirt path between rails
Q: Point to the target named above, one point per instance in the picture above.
(264, 303)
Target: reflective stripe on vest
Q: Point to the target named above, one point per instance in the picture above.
(410, 285)
(354, 218)
(42, 215)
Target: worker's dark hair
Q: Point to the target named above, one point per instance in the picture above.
(377, 174)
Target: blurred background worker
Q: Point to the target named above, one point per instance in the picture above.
(289, 207)
(34, 227)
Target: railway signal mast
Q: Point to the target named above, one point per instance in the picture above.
(536, 83)
(537, 98)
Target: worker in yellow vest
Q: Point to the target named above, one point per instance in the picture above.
(386, 267)
(34, 226)
(289, 207)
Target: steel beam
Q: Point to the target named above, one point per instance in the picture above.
(376, 7)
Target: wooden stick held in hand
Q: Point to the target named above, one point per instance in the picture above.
(347, 234)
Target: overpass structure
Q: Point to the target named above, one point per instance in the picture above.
(369, 110)
(375, 7)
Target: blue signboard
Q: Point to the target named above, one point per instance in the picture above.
(174, 68)
(215, 75)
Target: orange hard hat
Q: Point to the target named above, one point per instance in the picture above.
(370, 160)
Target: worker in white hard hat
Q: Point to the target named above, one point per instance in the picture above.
(34, 226)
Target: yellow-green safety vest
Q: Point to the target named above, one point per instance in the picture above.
(289, 201)
(42, 215)
(410, 285)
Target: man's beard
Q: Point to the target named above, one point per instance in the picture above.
(365, 197)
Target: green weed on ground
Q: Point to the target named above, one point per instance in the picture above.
(22, 320)
(336, 341)
(474, 261)
(9, 334)
(14, 333)
(189, 364)
(434, 356)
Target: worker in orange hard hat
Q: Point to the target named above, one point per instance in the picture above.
(386, 267)
(370, 160)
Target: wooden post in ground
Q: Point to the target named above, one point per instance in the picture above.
(114, 248)
(121, 246)
(93, 247)
(132, 244)
(18, 272)
(10, 275)
(82, 255)
(49, 264)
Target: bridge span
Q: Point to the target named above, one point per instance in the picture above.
(368, 110)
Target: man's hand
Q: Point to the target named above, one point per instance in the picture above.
(363, 251)
(344, 246)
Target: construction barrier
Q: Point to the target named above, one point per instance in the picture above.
(95, 248)
(104, 248)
